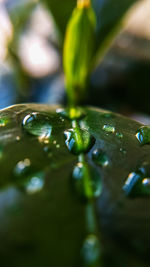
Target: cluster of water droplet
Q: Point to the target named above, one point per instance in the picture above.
(35, 125)
(137, 183)
(86, 180)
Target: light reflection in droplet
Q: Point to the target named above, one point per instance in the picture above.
(35, 185)
(22, 167)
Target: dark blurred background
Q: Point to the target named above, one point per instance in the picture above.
(31, 41)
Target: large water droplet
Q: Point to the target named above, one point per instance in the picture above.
(100, 158)
(108, 128)
(91, 251)
(35, 183)
(87, 181)
(72, 113)
(38, 125)
(137, 185)
(143, 135)
(131, 182)
(78, 140)
(22, 167)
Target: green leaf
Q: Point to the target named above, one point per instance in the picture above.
(78, 50)
(109, 16)
(43, 221)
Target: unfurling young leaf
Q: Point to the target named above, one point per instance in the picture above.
(78, 50)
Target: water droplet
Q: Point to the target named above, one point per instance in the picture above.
(35, 183)
(137, 185)
(78, 140)
(22, 167)
(143, 135)
(72, 113)
(119, 135)
(130, 182)
(57, 146)
(38, 125)
(54, 142)
(91, 251)
(123, 151)
(108, 128)
(87, 181)
(100, 157)
(146, 182)
(3, 122)
(18, 138)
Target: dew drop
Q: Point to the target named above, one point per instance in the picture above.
(22, 167)
(100, 158)
(87, 182)
(108, 128)
(38, 125)
(78, 140)
(17, 138)
(119, 135)
(72, 113)
(35, 183)
(137, 185)
(146, 182)
(143, 135)
(131, 182)
(91, 251)
(3, 122)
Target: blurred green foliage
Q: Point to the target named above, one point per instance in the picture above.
(109, 15)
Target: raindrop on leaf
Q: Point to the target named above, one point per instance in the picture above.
(87, 182)
(100, 158)
(143, 135)
(38, 125)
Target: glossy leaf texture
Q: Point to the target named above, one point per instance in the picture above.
(43, 220)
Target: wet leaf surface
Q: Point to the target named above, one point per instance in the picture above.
(43, 221)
